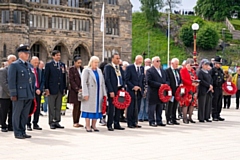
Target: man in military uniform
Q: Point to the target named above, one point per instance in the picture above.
(218, 80)
(21, 82)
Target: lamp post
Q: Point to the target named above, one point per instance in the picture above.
(195, 27)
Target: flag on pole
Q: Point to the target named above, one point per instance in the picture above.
(102, 19)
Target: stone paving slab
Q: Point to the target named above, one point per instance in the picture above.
(208, 141)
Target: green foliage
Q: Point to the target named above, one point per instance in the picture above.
(186, 35)
(158, 40)
(199, 21)
(172, 4)
(231, 54)
(236, 23)
(207, 37)
(150, 8)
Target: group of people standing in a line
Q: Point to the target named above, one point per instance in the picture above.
(22, 84)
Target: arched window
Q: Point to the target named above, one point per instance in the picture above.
(4, 51)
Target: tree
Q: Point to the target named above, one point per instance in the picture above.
(207, 37)
(186, 35)
(172, 4)
(151, 10)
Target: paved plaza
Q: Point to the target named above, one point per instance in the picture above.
(200, 141)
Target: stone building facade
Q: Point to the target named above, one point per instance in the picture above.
(71, 26)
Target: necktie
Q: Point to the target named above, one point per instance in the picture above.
(119, 75)
(57, 65)
(25, 63)
(138, 71)
(176, 75)
(36, 75)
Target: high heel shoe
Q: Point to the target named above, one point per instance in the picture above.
(88, 130)
(192, 121)
(185, 121)
(95, 130)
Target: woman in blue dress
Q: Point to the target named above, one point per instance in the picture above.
(93, 91)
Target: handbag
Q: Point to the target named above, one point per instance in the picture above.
(80, 96)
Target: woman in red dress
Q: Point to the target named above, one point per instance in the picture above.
(188, 76)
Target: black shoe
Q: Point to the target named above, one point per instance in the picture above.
(169, 123)
(215, 119)
(176, 123)
(140, 120)
(185, 121)
(207, 120)
(37, 127)
(123, 120)
(153, 125)
(192, 121)
(131, 126)
(4, 129)
(137, 126)
(119, 128)
(224, 107)
(52, 126)
(237, 108)
(161, 124)
(202, 121)
(29, 128)
(221, 119)
(26, 136)
(110, 129)
(57, 125)
(95, 130)
(20, 137)
(146, 120)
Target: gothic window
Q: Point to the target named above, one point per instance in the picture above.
(59, 48)
(73, 3)
(4, 51)
(38, 21)
(35, 50)
(60, 23)
(54, 2)
(81, 25)
(5, 16)
(112, 26)
(17, 17)
(113, 2)
(36, 1)
(77, 52)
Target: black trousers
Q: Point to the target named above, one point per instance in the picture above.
(113, 114)
(171, 110)
(6, 112)
(217, 102)
(227, 101)
(204, 106)
(132, 117)
(155, 110)
(36, 113)
(237, 98)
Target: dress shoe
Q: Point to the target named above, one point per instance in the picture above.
(123, 120)
(37, 127)
(221, 119)
(215, 119)
(152, 125)
(202, 121)
(161, 124)
(192, 121)
(207, 120)
(52, 126)
(119, 128)
(110, 129)
(131, 126)
(145, 119)
(224, 107)
(137, 126)
(20, 137)
(88, 130)
(237, 108)
(169, 123)
(29, 128)
(95, 130)
(140, 120)
(57, 125)
(185, 121)
(4, 130)
(26, 136)
(175, 123)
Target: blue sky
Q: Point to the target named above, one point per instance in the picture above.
(186, 4)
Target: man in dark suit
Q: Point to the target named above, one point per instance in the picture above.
(21, 82)
(39, 83)
(114, 79)
(55, 87)
(5, 101)
(156, 76)
(175, 81)
(134, 76)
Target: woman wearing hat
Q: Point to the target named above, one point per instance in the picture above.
(205, 90)
(188, 76)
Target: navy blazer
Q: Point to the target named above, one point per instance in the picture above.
(55, 79)
(111, 79)
(40, 78)
(172, 79)
(132, 79)
(21, 81)
(154, 82)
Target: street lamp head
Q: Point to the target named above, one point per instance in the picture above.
(195, 26)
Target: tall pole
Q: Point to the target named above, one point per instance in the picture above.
(168, 37)
(195, 47)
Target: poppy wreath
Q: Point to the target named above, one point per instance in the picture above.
(229, 89)
(34, 108)
(104, 105)
(163, 93)
(189, 101)
(125, 103)
(181, 97)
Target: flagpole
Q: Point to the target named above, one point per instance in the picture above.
(103, 31)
